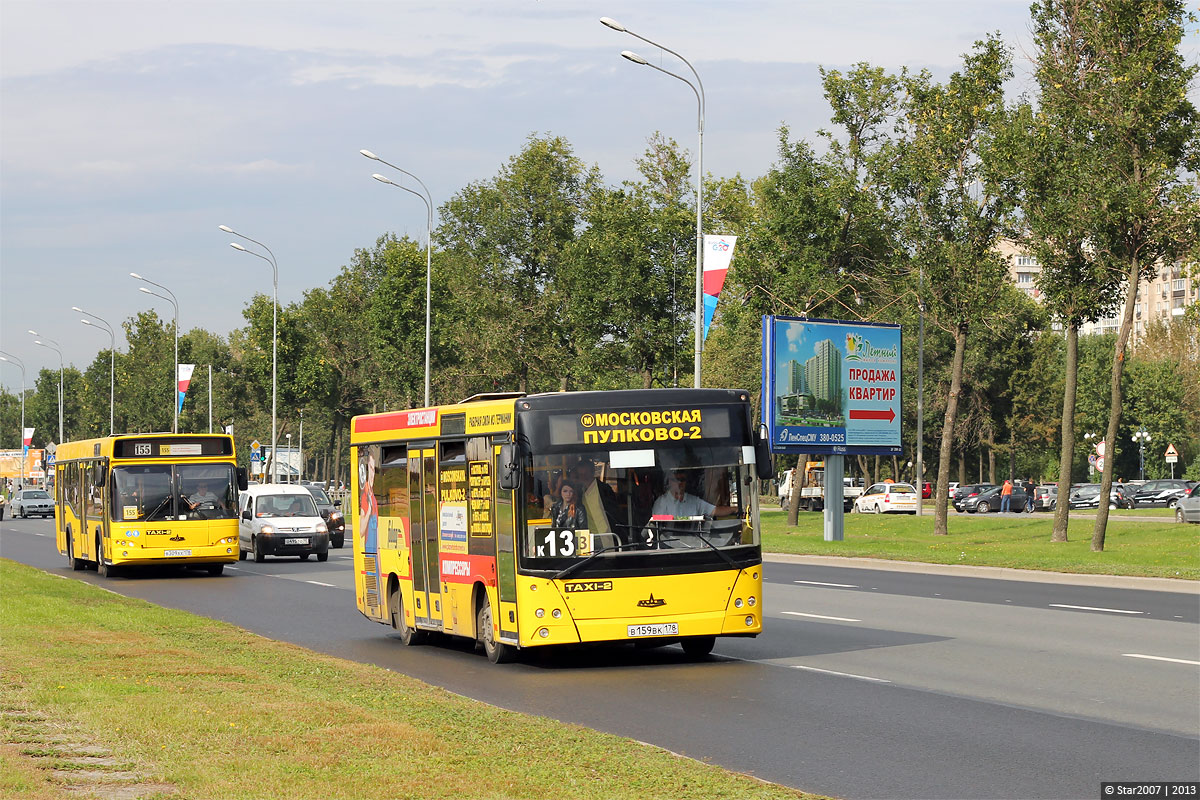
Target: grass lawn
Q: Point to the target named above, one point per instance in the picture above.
(103, 691)
(1163, 549)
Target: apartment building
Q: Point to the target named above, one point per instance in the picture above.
(1162, 298)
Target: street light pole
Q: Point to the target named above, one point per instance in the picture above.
(1142, 437)
(274, 333)
(11, 359)
(50, 344)
(1091, 464)
(174, 377)
(698, 89)
(112, 361)
(427, 199)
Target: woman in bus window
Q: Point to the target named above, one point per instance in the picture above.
(368, 505)
(568, 512)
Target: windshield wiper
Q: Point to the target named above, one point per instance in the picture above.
(578, 565)
(714, 548)
(150, 517)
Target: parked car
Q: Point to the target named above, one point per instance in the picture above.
(28, 502)
(926, 490)
(952, 490)
(1088, 496)
(990, 500)
(329, 509)
(282, 520)
(1045, 497)
(1163, 493)
(1188, 507)
(969, 490)
(887, 498)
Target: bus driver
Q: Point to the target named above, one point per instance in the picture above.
(677, 503)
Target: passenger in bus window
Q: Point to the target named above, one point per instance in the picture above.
(568, 512)
(597, 496)
(678, 503)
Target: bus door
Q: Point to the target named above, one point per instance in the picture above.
(423, 523)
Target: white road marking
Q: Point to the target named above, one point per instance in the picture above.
(1091, 608)
(318, 583)
(819, 616)
(1163, 658)
(842, 674)
(837, 585)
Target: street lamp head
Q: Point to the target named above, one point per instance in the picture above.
(369, 155)
(135, 275)
(144, 289)
(33, 333)
(85, 322)
(609, 22)
(77, 308)
(383, 179)
(225, 228)
(237, 246)
(634, 57)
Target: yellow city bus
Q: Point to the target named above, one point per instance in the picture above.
(148, 498)
(462, 523)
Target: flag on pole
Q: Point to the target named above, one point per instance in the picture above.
(718, 251)
(26, 441)
(184, 378)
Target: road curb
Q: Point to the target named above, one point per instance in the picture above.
(996, 573)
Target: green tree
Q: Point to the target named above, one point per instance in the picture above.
(507, 236)
(954, 181)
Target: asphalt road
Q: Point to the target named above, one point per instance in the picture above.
(867, 683)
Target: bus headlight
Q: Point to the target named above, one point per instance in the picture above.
(544, 632)
(541, 612)
(556, 613)
(751, 602)
(737, 603)
(749, 620)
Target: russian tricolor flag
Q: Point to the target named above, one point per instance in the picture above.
(183, 379)
(718, 252)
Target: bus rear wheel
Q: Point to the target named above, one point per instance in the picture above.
(408, 636)
(698, 646)
(497, 652)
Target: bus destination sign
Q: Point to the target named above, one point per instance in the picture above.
(626, 426)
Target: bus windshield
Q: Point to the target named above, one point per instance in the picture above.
(159, 492)
(656, 501)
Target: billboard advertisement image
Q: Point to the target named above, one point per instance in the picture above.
(831, 386)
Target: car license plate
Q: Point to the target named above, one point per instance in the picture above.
(661, 629)
(295, 541)
(169, 553)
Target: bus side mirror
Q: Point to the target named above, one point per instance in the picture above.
(762, 456)
(102, 474)
(510, 467)
(242, 479)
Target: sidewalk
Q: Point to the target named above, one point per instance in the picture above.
(997, 573)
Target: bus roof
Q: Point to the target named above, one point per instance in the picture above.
(112, 446)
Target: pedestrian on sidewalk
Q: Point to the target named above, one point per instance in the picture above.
(1006, 496)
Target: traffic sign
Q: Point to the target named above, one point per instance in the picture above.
(255, 445)
(1092, 459)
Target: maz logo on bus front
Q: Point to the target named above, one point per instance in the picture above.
(651, 602)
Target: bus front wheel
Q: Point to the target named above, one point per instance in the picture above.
(497, 652)
(698, 646)
(102, 569)
(77, 564)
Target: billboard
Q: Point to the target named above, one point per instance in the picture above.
(831, 386)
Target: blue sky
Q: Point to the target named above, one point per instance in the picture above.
(130, 130)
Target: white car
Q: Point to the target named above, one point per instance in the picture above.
(953, 487)
(887, 498)
(280, 519)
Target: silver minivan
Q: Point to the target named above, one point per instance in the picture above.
(276, 519)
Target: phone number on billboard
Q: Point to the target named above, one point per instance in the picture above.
(838, 438)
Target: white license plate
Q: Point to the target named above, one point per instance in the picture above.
(661, 629)
(295, 541)
(169, 553)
